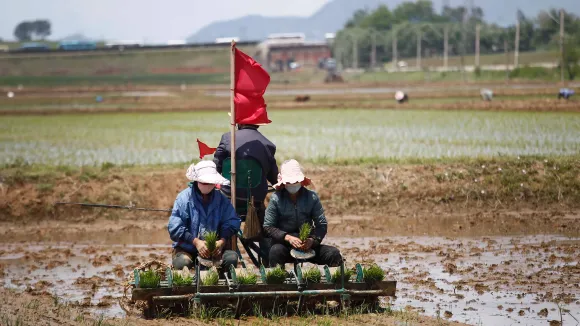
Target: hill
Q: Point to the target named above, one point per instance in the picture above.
(332, 17)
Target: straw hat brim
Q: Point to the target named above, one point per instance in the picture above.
(302, 179)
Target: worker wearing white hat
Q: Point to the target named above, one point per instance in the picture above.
(200, 209)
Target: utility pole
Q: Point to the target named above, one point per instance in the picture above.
(395, 54)
(446, 47)
(477, 42)
(507, 60)
(354, 52)
(373, 49)
(562, 45)
(419, 36)
(517, 46)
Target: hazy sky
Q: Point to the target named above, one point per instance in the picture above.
(148, 20)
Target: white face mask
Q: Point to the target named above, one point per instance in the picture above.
(293, 188)
(205, 189)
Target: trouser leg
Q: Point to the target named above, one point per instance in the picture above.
(327, 255)
(279, 255)
(182, 259)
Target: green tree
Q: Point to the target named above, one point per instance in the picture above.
(42, 28)
(381, 19)
(357, 19)
(419, 11)
(571, 57)
(23, 31)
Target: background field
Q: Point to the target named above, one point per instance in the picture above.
(309, 135)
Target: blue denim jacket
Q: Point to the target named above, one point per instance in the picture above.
(189, 219)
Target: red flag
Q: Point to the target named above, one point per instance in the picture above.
(204, 149)
(251, 81)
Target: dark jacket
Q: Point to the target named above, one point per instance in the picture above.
(250, 144)
(284, 217)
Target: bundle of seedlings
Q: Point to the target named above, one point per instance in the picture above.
(247, 277)
(335, 277)
(149, 279)
(180, 280)
(211, 278)
(373, 274)
(211, 239)
(276, 275)
(312, 275)
(305, 230)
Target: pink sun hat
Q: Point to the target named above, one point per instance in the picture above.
(291, 172)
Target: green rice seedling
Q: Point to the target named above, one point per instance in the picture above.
(305, 230)
(276, 275)
(335, 277)
(211, 239)
(180, 280)
(211, 278)
(149, 279)
(312, 275)
(373, 274)
(247, 278)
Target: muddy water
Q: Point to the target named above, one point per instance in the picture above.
(484, 280)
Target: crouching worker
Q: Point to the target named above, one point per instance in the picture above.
(291, 206)
(198, 210)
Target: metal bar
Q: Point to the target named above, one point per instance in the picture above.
(172, 297)
(290, 293)
(115, 206)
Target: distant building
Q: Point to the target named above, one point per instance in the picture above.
(284, 51)
(221, 40)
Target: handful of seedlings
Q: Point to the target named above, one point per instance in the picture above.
(180, 280)
(211, 239)
(276, 275)
(335, 277)
(149, 279)
(312, 275)
(305, 230)
(373, 274)
(247, 277)
(211, 278)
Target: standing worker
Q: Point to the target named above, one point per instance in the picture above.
(251, 145)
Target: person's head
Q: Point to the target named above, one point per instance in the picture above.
(205, 176)
(291, 177)
(242, 126)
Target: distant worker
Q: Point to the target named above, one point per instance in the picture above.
(291, 206)
(252, 145)
(565, 93)
(401, 97)
(486, 95)
(200, 209)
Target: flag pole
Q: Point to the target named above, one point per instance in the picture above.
(233, 122)
(233, 134)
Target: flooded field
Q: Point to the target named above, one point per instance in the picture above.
(495, 280)
(308, 135)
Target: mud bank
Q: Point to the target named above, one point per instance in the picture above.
(542, 192)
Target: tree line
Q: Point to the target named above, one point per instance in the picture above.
(411, 21)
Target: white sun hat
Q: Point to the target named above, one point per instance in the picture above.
(399, 95)
(205, 172)
(291, 172)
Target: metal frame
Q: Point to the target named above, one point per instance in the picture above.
(294, 287)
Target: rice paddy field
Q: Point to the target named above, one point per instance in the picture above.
(315, 135)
